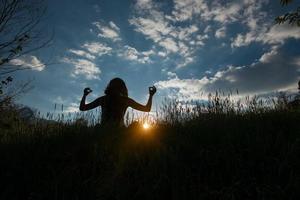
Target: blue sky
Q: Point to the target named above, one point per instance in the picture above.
(187, 48)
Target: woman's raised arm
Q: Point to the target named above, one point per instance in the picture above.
(93, 104)
(145, 108)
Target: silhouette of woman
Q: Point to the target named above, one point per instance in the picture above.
(115, 102)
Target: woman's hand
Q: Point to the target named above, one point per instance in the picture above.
(87, 91)
(152, 90)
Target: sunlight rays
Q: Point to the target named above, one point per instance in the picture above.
(146, 126)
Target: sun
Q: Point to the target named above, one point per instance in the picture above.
(146, 125)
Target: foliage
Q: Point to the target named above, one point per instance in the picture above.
(4, 83)
(292, 18)
(285, 2)
(20, 32)
(205, 151)
(20, 35)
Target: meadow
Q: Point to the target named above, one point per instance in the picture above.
(221, 149)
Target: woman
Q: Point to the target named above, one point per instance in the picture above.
(115, 102)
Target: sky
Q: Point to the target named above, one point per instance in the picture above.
(186, 48)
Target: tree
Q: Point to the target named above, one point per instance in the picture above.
(21, 34)
(292, 18)
(20, 31)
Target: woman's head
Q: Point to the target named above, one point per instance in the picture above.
(116, 87)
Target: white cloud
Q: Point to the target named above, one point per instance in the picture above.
(171, 75)
(277, 34)
(186, 9)
(143, 4)
(162, 54)
(27, 61)
(243, 40)
(184, 33)
(170, 39)
(248, 12)
(280, 33)
(268, 56)
(207, 29)
(221, 32)
(225, 14)
(154, 26)
(110, 32)
(83, 54)
(84, 68)
(148, 53)
(183, 89)
(185, 62)
(130, 53)
(261, 29)
(169, 44)
(72, 107)
(114, 26)
(97, 48)
(272, 72)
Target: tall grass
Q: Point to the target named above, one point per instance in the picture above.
(223, 148)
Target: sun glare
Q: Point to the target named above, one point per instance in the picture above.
(146, 125)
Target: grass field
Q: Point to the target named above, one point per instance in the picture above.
(220, 150)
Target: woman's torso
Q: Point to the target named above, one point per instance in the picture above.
(113, 110)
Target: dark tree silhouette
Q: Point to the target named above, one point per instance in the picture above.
(285, 2)
(292, 17)
(20, 31)
(20, 34)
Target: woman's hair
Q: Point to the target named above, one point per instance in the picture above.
(116, 87)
